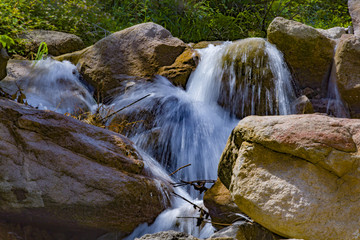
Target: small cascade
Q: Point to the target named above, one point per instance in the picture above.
(335, 105)
(56, 86)
(178, 127)
(246, 77)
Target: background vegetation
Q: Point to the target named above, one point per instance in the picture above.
(190, 20)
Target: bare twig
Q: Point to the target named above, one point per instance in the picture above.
(179, 169)
(107, 117)
(202, 211)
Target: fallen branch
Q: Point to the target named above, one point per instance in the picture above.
(107, 117)
(179, 169)
(202, 211)
(198, 185)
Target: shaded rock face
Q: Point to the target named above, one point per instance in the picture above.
(222, 208)
(354, 10)
(296, 175)
(58, 42)
(308, 52)
(136, 51)
(347, 63)
(4, 57)
(57, 172)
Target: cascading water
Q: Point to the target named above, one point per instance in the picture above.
(179, 127)
(55, 86)
(335, 106)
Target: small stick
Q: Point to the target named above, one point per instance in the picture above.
(106, 117)
(179, 169)
(196, 206)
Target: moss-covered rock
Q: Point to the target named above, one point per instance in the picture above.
(308, 52)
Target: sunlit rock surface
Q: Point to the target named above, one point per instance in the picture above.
(296, 175)
(136, 51)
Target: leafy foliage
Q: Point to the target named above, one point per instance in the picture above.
(190, 20)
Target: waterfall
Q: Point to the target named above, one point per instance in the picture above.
(178, 127)
(54, 85)
(335, 105)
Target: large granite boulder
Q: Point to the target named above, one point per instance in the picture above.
(57, 42)
(308, 52)
(139, 51)
(59, 173)
(347, 63)
(354, 10)
(296, 175)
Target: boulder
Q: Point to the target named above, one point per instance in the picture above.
(179, 72)
(222, 209)
(296, 175)
(4, 57)
(354, 10)
(347, 63)
(308, 52)
(302, 105)
(59, 173)
(139, 51)
(57, 42)
(333, 33)
(244, 231)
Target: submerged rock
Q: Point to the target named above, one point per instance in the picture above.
(347, 63)
(138, 51)
(59, 173)
(57, 42)
(296, 175)
(308, 52)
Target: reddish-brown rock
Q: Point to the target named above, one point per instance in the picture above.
(57, 172)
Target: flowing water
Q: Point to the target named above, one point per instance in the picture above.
(178, 127)
(335, 106)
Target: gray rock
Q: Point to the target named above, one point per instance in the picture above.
(58, 42)
(333, 33)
